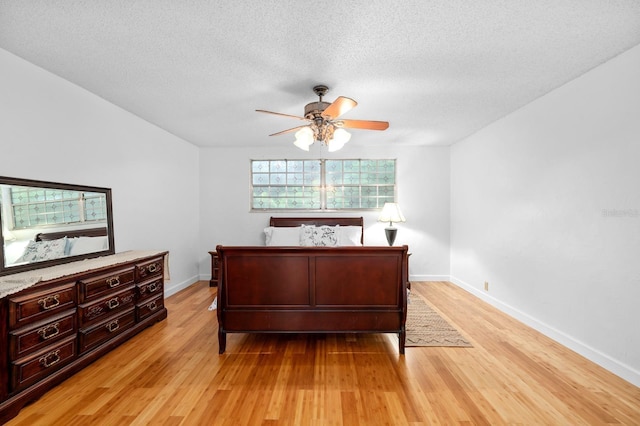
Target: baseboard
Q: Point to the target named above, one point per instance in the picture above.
(205, 277)
(614, 366)
(428, 277)
(171, 288)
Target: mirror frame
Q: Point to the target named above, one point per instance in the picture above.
(6, 270)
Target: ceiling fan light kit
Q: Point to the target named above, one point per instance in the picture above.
(304, 138)
(324, 126)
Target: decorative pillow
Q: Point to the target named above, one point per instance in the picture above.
(282, 236)
(306, 235)
(82, 245)
(37, 251)
(319, 236)
(350, 236)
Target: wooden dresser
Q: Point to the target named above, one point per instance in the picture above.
(75, 314)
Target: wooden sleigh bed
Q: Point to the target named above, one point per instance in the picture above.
(294, 289)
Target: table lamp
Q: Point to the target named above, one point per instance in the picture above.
(391, 213)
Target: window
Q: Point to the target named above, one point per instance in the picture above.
(34, 207)
(322, 184)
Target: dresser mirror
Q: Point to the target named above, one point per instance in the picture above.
(46, 223)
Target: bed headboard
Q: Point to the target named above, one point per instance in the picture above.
(319, 221)
(92, 232)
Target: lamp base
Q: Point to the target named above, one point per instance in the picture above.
(390, 232)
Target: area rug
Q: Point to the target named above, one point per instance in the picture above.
(425, 327)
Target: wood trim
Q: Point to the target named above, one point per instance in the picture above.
(92, 232)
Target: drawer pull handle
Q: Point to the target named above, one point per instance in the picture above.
(113, 326)
(152, 287)
(50, 359)
(113, 282)
(49, 302)
(113, 303)
(152, 268)
(152, 306)
(49, 331)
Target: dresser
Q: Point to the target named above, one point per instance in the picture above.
(55, 321)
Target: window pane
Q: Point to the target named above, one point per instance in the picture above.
(278, 166)
(260, 166)
(260, 178)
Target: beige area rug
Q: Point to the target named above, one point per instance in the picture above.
(425, 327)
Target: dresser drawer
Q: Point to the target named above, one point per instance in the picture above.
(149, 307)
(27, 371)
(97, 286)
(90, 312)
(40, 305)
(149, 288)
(150, 269)
(95, 335)
(34, 337)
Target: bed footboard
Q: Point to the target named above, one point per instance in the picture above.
(312, 290)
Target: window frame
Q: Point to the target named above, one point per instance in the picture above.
(323, 186)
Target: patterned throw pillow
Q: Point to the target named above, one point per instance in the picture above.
(319, 236)
(37, 251)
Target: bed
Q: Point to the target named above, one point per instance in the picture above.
(347, 288)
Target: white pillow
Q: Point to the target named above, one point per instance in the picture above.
(268, 232)
(319, 236)
(37, 251)
(82, 245)
(350, 236)
(14, 250)
(282, 235)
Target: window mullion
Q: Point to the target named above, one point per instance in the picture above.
(323, 185)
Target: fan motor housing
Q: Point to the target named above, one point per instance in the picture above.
(315, 108)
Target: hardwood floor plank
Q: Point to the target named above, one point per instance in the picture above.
(172, 374)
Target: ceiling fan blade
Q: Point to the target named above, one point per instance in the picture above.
(287, 131)
(283, 115)
(338, 107)
(363, 124)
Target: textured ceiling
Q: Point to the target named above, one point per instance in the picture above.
(436, 70)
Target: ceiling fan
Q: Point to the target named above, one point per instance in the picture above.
(324, 124)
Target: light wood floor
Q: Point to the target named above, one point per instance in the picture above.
(172, 374)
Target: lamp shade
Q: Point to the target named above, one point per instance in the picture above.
(391, 213)
(304, 138)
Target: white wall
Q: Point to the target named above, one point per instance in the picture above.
(55, 131)
(545, 206)
(423, 185)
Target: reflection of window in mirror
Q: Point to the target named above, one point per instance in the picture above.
(48, 223)
(37, 207)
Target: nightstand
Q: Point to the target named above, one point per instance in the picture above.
(215, 269)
